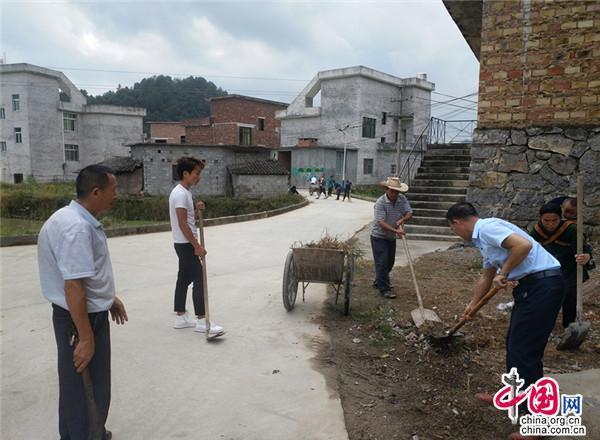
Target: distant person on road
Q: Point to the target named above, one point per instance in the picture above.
(330, 185)
(76, 276)
(321, 189)
(392, 211)
(338, 189)
(189, 251)
(559, 237)
(347, 190)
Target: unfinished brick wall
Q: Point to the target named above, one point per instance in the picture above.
(171, 131)
(248, 111)
(540, 63)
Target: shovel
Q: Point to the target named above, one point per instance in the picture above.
(577, 331)
(209, 336)
(483, 301)
(421, 314)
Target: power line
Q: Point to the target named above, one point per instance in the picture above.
(178, 74)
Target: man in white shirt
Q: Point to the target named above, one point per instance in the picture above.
(76, 277)
(189, 251)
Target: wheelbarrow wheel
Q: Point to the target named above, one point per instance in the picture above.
(348, 283)
(290, 283)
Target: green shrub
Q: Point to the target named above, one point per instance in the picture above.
(374, 191)
(35, 201)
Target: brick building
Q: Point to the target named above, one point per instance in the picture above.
(234, 120)
(539, 103)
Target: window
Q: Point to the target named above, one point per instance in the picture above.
(383, 118)
(261, 124)
(396, 137)
(339, 162)
(367, 166)
(182, 139)
(18, 135)
(18, 177)
(69, 121)
(383, 139)
(393, 169)
(2, 147)
(368, 128)
(16, 102)
(2, 113)
(174, 174)
(71, 153)
(403, 137)
(245, 136)
(160, 141)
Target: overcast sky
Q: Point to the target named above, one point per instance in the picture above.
(264, 49)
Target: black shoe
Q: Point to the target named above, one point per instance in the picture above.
(388, 294)
(107, 435)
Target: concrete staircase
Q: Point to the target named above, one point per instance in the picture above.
(440, 182)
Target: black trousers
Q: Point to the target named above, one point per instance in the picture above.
(73, 421)
(537, 303)
(190, 271)
(384, 254)
(569, 305)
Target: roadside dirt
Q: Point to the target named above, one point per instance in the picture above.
(395, 383)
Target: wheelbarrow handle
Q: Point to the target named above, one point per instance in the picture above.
(482, 302)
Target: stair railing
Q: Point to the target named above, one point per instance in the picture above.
(415, 155)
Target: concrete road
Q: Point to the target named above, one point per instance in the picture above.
(258, 382)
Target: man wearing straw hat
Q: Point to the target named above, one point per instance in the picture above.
(392, 210)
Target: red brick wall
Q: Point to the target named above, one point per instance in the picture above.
(200, 134)
(247, 112)
(171, 131)
(539, 70)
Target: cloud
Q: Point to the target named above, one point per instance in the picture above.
(227, 40)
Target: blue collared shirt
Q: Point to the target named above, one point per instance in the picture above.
(72, 246)
(488, 235)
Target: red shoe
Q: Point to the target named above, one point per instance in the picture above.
(485, 398)
(517, 436)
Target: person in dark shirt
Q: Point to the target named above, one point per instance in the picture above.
(347, 190)
(559, 237)
(568, 206)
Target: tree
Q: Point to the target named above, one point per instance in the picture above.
(164, 98)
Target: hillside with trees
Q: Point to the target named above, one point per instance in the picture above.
(163, 97)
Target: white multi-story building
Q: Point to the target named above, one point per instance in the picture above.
(49, 132)
(364, 112)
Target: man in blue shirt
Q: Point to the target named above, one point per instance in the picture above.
(76, 277)
(511, 255)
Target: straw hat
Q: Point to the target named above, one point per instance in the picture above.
(395, 184)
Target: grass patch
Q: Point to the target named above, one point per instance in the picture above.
(374, 191)
(24, 207)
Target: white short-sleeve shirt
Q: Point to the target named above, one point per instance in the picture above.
(72, 246)
(181, 197)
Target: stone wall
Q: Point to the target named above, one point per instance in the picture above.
(159, 159)
(255, 186)
(515, 171)
(540, 63)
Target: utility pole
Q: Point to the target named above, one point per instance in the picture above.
(343, 131)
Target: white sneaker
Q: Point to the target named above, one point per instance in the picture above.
(201, 327)
(184, 321)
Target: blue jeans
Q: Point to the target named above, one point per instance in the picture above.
(537, 304)
(384, 254)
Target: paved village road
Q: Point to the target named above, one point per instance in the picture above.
(258, 382)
